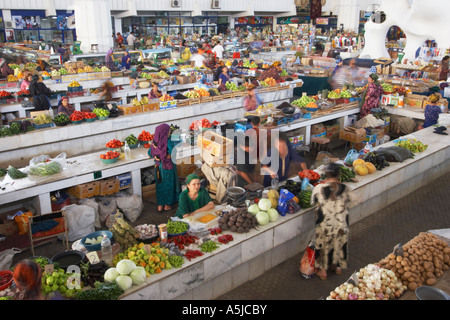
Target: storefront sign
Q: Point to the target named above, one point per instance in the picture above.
(322, 21)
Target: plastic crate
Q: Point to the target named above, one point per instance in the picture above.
(75, 89)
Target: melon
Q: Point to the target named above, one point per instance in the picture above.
(358, 162)
(370, 167)
(361, 170)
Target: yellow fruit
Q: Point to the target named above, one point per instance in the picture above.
(361, 170)
(370, 167)
(357, 162)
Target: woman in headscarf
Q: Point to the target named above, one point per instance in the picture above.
(167, 184)
(65, 107)
(194, 199)
(126, 60)
(109, 61)
(371, 96)
(333, 199)
(432, 111)
(27, 277)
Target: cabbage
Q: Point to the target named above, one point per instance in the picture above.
(264, 204)
(138, 275)
(262, 218)
(253, 209)
(124, 282)
(124, 267)
(111, 274)
(273, 214)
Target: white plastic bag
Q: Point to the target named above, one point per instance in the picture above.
(43, 165)
(131, 206)
(92, 203)
(80, 221)
(6, 257)
(106, 207)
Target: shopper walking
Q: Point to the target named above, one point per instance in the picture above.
(371, 96)
(333, 199)
(130, 41)
(167, 184)
(252, 100)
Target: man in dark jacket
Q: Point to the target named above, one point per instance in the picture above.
(40, 93)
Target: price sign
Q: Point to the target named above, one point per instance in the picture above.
(49, 268)
(97, 174)
(93, 257)
(273, 50)
(147, 248)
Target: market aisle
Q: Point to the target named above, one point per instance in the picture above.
(371, 239)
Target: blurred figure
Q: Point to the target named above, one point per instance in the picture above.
(28, 279)
(5, 69)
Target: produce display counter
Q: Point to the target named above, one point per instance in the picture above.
(253, 253)
(415, 113)
(90, 137)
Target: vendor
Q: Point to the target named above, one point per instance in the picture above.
(43, 66)
(288, 161)
(432, 111)
(252, 100)
(126, 60)
(40, 93)
(223, 78)
(154, 93)
(194, 199)
(5, 69)
(371, 96)
(245, 165)
(109, 60)
(443, 75)
(27, 75)
(65, 107)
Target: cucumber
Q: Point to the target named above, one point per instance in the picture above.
(15, 173)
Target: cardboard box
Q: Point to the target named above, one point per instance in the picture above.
(150, 107)
(332, 131)
(149, 191)
(124, 180)
(8, 227)
(297, 141)
(184, 170)
(352, 134)
(214, 144)
(109, 186)
(167, 105)
(318, 129)
(371, 138)
(129, 109)
(413, 100)
(86, 190)
(183, 79)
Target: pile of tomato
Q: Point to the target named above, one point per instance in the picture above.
(114, 143)
(110, 155)
(89, 115)
(23, 92)
(309, 174)
(5, 94)
(145, 136)
(76, 116)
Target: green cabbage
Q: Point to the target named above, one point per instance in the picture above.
(253, 209)
(138, 275)
(124, 282)
(124, 267)
(111, 274)
(264, 204)
(262, 218)
(273, 214)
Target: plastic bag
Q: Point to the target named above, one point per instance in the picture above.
(43, 165)
(307, 261)
(22, 222)
(106, 207)
(283, 201)
(92, 203)
(80, 221)
(131, 206)
(7, 256)
(351, 156)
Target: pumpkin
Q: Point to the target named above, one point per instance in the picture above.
(361, 170)
(358, 162)
(370, 166)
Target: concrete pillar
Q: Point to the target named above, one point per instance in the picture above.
(231, 21)
(93, 19)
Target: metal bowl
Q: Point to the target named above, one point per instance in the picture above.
(288, 110)
(430, 293)
(235, 191)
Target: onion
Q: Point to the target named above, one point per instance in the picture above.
(380, 296)
(352, 296)
(333, 294)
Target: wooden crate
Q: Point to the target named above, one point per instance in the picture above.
(227, 95)
(214, 143)
(238, 94)
(217, 98)
(85, 190)
(205, 99)
(129, 110)
(109, 186)
(183, 103)
(149, 192)
(194, 101)
(150, 107)
(216, 161)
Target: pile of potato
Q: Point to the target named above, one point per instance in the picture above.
(424, 259)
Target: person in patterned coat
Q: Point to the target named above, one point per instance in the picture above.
(371, 96)
(333, 199)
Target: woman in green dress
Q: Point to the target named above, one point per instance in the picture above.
(167, 184)
(194, 199)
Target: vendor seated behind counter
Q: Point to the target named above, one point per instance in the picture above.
(289, 161)
(194, 199)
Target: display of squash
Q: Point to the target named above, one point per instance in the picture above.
(361, 169)
(358, 162)
(371, 167)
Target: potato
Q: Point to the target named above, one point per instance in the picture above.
(446, 250)
(391, 256)
(392, 262)
(413, 268)
(447, 258)
(408, 274)
(429, 275)
(400, 271)
(398, 265)
(405, 262)
(399, 258)
(411, 279)
(445, 267)
(431, 281)
(412, 286)
(407, 268)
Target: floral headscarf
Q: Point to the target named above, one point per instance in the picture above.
(159, 147)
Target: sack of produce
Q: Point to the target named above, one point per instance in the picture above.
(106, 206)
(92, 203)
(131, 206)
(80, 221)
(43, 165)
(395, 154)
